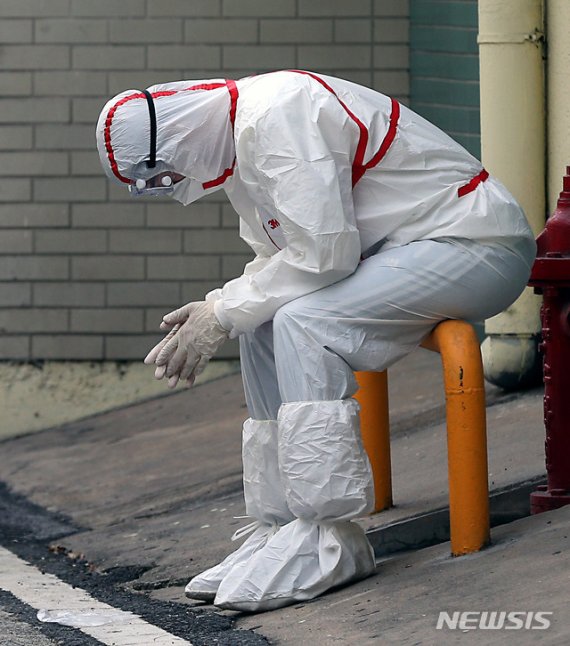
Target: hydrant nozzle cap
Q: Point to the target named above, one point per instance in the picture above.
(566, 179)
(565, 193)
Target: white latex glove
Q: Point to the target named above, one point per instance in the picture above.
(186, 353)
(153, 354)
(176, 318)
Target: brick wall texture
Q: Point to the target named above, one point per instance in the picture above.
(86, 272)
(444, 67)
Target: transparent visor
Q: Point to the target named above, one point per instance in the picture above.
(162, 184)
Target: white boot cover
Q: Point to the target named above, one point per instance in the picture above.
(204, 586)
(327, 480)
(264, 498)
(324, 467)
(300, 562)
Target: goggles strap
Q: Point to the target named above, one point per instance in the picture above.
(151, 161)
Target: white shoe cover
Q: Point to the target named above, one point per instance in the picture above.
(301, 561)
(204, 586)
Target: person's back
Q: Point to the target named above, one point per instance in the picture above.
(410, 180)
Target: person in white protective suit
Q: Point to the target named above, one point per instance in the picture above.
(369, 225)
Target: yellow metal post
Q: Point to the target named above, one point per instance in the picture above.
(458, 345)
(375, 429)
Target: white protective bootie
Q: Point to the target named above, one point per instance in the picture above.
(264, 501)
(204, 586)
(300, 562)
(327, 480)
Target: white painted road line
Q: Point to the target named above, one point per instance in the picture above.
(47, 592)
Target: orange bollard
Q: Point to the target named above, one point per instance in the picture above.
(372, 396)
(458, 346)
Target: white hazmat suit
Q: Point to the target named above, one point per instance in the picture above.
(369, 226)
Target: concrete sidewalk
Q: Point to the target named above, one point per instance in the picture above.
(157, 485)
(526, 569)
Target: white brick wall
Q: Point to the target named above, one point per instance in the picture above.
(86, 272)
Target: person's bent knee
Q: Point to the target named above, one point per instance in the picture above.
(291, 315)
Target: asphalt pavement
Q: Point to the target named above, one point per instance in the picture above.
(132, 503)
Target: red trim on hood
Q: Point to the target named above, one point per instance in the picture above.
(221, 179)
(233, 91)
(206, 86)
(109, 121)
(234, 94)
(359, 167)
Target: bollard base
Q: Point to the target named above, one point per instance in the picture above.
(546, 500)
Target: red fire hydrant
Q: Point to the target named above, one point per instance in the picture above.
(551, 277)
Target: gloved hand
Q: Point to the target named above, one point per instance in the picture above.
(175, 320)
(153, 354)
(195, 336)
